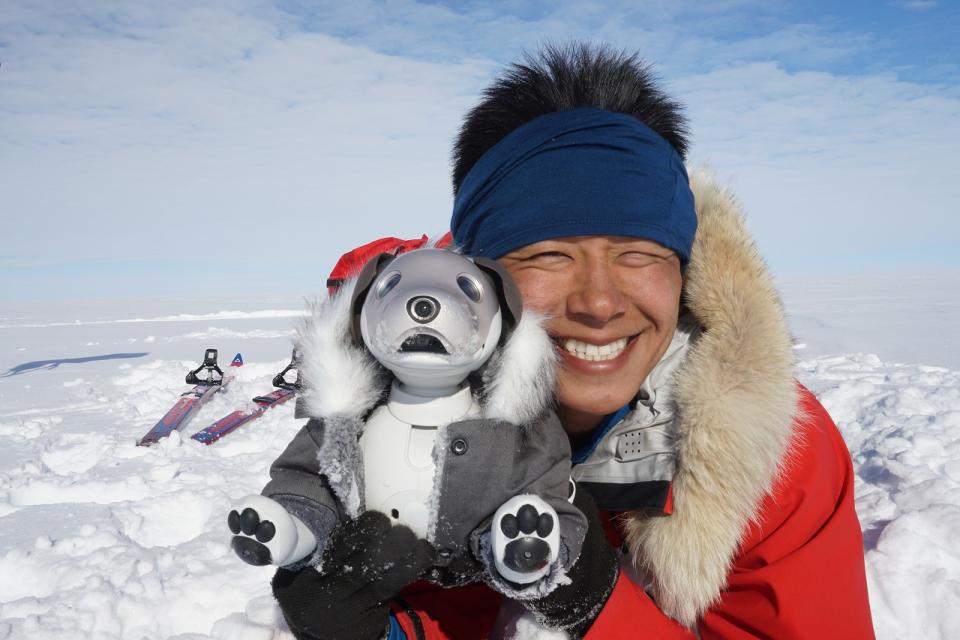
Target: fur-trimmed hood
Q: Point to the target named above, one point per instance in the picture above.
(735, 402)
(734, 396)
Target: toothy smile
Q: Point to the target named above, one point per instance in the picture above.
(593, 352)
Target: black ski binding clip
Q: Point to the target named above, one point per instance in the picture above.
(210, 366)
(280, 380)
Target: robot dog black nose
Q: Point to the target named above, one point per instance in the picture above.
(423, 309)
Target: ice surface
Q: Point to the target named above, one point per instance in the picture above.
(109, 540)
(902, 425)
(900, 318)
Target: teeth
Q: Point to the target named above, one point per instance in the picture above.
(593, 352)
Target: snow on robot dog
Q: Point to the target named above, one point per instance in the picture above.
(421, 376)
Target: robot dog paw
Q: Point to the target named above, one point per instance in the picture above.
(265, 533)
(526, 539)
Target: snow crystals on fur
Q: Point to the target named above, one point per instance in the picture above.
(519, 381)
(341, 460)
(440, 447)
(337, 375)
(340, 383)
(535, 590)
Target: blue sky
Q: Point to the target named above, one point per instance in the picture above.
(192, 148)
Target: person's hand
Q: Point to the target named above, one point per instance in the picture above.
(367, 562)
(575, 605)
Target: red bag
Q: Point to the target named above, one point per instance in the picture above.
(352, 261)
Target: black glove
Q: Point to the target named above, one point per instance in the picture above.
(574, 606)
(367, 562)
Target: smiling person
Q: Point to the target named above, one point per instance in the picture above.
(718, 492)
(613, 303)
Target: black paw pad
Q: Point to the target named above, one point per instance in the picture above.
(233, 521)
(527, 520)
(266, 531)
(527, 554)
(250, 524)
(510, 526)
(251, 551)
(249, 521)
(544, 525)
(527, 517)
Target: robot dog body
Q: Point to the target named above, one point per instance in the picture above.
(430, 318)
(400, 436)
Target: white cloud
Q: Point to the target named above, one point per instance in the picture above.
(269, 141)
(917, 5)
(141, 136)
(838, 172)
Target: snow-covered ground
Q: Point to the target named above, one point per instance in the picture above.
(100, 538)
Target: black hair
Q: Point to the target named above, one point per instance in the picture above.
(564, 77)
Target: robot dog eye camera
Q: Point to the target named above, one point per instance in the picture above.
(432, 316)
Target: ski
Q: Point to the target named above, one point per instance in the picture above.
(191, 401)
(223, 426)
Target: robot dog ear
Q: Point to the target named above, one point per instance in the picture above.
(365, 280)
(511, 304)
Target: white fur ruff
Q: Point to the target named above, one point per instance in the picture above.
(519, 383)
(337, 376)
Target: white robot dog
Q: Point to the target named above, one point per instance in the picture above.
(431, 318)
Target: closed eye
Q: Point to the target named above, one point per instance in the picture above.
(547, 255)
(642, 258)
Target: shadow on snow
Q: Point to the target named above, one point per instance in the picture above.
(53, 364)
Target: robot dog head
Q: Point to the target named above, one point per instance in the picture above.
(432, 316)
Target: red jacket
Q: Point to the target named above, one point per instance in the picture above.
(799, 572)
(763, 540)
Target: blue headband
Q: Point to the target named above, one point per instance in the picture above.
(574, 173)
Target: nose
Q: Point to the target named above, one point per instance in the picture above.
(423, 309)
(596, 298)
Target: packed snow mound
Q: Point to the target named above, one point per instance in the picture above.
(110, 540)
(902, 425)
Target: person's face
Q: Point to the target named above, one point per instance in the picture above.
(611, 304)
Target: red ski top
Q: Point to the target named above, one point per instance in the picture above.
(799, 573)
